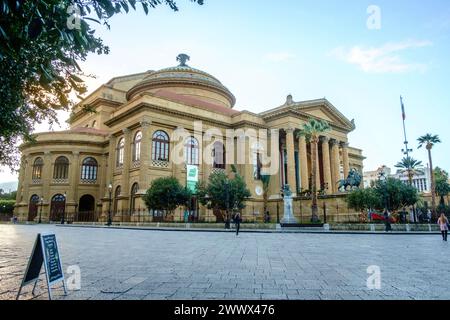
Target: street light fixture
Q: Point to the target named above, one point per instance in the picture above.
(40, 210)
(64, 212)
(383, 179)
(109, 207)
(227, 200)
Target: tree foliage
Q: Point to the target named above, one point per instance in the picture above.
(7, 195)
(411, 167)
(7, 206)
(364, 199)
(166, 194)
(223, 193)
(442, 185)
(41, 44)
(392, 193)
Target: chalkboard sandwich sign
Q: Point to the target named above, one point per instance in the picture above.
(45, 252)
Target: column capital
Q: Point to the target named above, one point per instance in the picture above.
(334, 142)
(343, 144)
(76, 153)
(145, 123)
(47, 153)
(290, 130)
(324, 139)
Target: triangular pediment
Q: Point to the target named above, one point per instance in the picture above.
(326, 111)
(320, 114)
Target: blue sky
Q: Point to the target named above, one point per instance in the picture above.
(265, 50)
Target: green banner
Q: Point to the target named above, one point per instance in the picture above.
(192, 178)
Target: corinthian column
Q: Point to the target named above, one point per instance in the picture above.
(111, 163)
(335, 164)
(303, 158)
(47, 175)
(345, 161)
(74, 176)
(126, 162)
(145, 155)
(291, 160)
(326, 164)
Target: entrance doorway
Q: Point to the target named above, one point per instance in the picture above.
(86, 208)
(33, 207)
(57, 207)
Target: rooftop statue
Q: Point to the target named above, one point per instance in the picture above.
(183, 58)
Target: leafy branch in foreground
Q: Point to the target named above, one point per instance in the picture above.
(41, 43)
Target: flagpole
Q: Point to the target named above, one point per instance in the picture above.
(406, 151)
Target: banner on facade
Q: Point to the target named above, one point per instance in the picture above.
(192, 178)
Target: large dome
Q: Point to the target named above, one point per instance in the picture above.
(185, 81)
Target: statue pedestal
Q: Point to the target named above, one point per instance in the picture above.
(288, 211)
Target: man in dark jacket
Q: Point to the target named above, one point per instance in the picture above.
(237, 222)
(386, 221)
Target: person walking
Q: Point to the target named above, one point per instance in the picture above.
(443, 224)
(237, 222)
(386, 221)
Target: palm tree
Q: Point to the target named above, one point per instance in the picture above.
(411, 167)
(429, 141)
(442, 187)
(311, 130)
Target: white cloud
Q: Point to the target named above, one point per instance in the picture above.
(384, 59)
(279, 56)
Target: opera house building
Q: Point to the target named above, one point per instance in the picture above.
(121, 138)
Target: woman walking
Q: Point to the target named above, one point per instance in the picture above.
(443, 224)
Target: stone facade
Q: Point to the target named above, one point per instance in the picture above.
(108, 158)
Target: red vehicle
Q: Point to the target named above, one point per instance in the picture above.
(380, 217)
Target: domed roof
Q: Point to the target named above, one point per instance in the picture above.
(181, 75)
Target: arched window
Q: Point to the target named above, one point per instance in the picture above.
(89, 170)
(116, 198)
(61, 170)
(120, 152)
(160, 146)
(219, 155)
(134, 191)
(137, 146)
(191, 151)
(37, 168)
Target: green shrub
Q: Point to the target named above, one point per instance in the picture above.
(7, 206)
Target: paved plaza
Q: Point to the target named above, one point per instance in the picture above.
(142, 264)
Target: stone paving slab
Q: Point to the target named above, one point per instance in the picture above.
(141, 264)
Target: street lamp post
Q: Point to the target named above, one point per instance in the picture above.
(64, 212)
(40, 210)
(109, 206)
(227, 200)
(383, 179)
